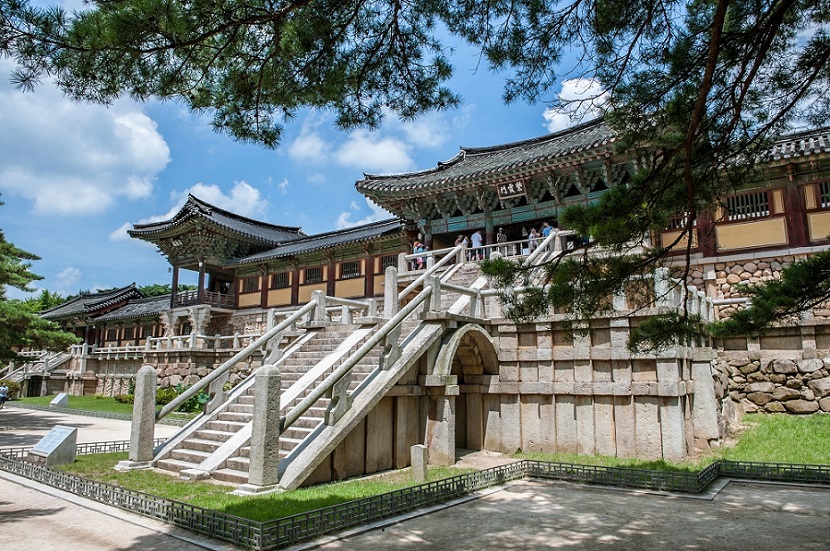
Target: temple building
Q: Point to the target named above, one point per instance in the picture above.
(424, 353)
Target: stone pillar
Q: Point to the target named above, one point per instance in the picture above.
(199, 319)
(144, 421)
(441, 430)
(420, 458)
(265, 433)
(705, 404)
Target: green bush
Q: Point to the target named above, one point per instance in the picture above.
(124, 398)
(165, 395)
(194, 404)
(14, 388)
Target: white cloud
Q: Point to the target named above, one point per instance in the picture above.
(376, 214)
(66, 279)
(75, 158)
(372, 153)
(283, 186)
(580, 99)
(309, 146)
(243, 199)
(429, 130)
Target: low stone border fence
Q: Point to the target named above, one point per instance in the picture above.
(274, 534)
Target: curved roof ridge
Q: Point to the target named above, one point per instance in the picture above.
(205, 204)
(538, 139)
(206, 208)
(439, 167)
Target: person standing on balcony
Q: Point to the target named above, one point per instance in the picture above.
(532, 240)
(477, 252)
(501, 238)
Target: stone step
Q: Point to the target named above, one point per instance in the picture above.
(236, 407)
(230, 475)
(296, 433)
(225, 426)
(201, 444)
(215, 435)
(239, 463)
(234, 416)
(174, 465)
(189, 455)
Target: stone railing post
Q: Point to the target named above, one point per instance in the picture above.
(390, 293)
(435, 298)
(143, 422)
(402, 264)
(320, 310)
(662, 281)
(265, 433)
(345, 315)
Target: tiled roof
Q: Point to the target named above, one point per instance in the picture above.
(138, 308)
(810, 142)
(324, 241)
(194, 207)
(88, 303)
(479, 162)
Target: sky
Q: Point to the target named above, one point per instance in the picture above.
(75, 177)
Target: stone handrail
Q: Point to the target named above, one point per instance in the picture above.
(325, 386)
(239, 356)
(449, 254)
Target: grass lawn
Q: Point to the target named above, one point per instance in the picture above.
(767, 438)
(89, 403)
(782, 438)
(266, 507)
(96, 403)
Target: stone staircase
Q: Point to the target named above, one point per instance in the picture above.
(218, 447)
(325, 351)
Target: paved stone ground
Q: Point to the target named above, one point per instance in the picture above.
(562, 516)
(521, 515)
(25, 427)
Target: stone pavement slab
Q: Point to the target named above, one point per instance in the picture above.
(35, 517)
(25, 427)
(543, 515)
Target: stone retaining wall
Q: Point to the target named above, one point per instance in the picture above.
(780, 385)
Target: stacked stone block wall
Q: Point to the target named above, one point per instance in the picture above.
(786, 370)
(584, 393)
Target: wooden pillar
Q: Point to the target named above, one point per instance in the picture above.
(174, 286)
(295, 286)
(706, 238)
(369, 287)
(330, 278)
(795, 211)
(489, 234)
(263, 298)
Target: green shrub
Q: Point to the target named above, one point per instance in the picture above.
(165, 395)
(124, 398)
(194, 404)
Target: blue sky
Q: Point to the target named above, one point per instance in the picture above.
(74, 177)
